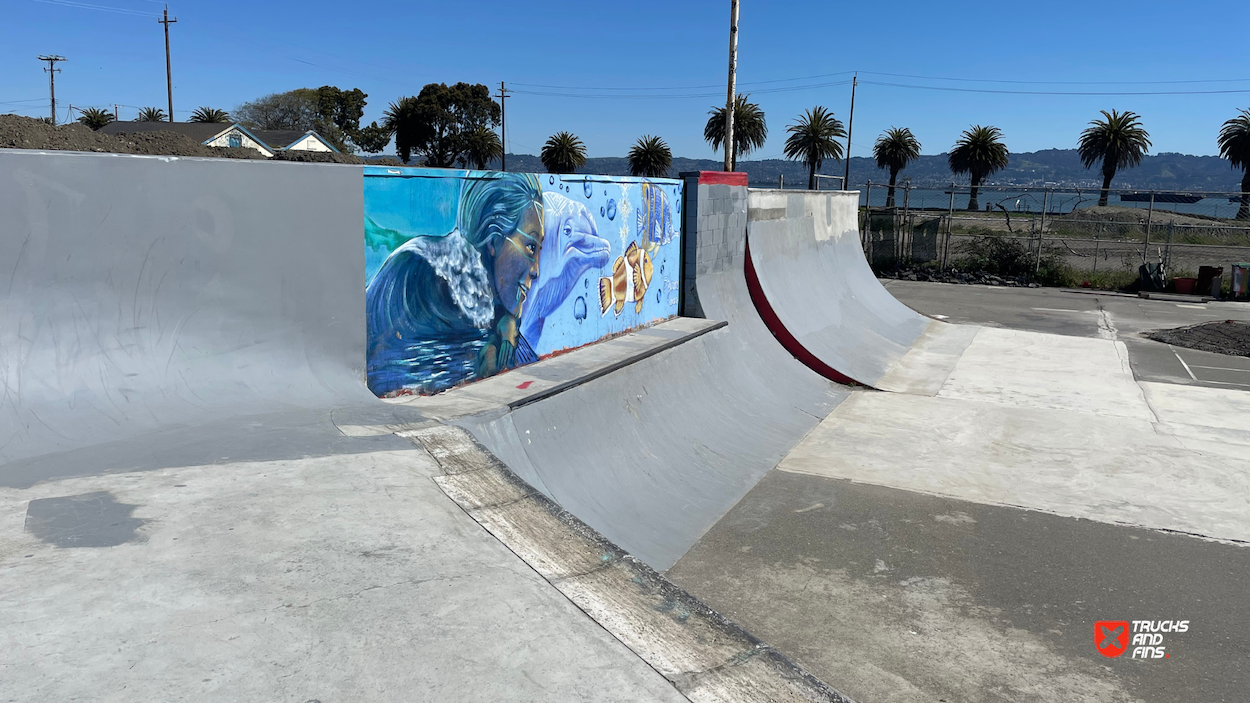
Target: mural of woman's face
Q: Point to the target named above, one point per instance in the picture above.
(515, 259)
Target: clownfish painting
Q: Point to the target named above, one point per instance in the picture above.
(631, 274)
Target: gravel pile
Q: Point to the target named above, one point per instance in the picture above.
(955, 276)
(1227, 337)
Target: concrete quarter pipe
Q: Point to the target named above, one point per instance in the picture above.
(813, 281)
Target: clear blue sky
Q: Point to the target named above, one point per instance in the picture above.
(226, 52)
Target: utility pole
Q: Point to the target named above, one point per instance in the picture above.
(850, 125)
(52, 70)
(503, 126)
(116, 117)
(169, 75)
(733, 77)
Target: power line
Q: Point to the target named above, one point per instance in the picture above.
(994, 80)
(782, 89)
(1053, 92)
(98, 8)
(686, 87)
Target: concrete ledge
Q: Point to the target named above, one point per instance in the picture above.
(704, 655)
(557, 374)
(1175, 297)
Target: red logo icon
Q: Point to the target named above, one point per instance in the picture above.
(1111, 637)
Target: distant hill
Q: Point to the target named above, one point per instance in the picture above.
(1061, 167)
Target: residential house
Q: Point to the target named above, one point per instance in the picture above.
(267, 142)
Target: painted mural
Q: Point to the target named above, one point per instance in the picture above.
(469, 273)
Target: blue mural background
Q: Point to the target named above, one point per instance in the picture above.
(608, 261)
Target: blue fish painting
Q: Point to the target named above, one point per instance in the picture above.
(655, 218)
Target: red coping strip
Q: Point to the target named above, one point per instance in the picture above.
(782, 334)
(722, 178)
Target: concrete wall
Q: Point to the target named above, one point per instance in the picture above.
(142, 293)
(473, 272)
(718, 214)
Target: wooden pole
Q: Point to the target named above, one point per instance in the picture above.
(733, 77)
(169, 73)
(850, 125)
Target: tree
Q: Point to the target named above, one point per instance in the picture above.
(341, 108)
(750, 129)
(650, 157)
(814, 138)
(331, 112)
(210, 114)
(95, 118)
(1117, 141)
(400, 120)
(980, 153)
(438, 122)
(373, 138)
(1234, 142)
(563, 153)
(895, 148)
(482, 146)
(151, 114)
(292, 110)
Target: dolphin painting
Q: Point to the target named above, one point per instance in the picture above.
(571, 247)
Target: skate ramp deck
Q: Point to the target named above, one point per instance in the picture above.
(653, 454)
(811, 278)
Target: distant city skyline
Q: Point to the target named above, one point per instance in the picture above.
(611, 74)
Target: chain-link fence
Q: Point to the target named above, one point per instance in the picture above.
(1075, 229)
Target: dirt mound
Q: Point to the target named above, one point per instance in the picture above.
(1228, 337)
(17, 132)
(1113, 213)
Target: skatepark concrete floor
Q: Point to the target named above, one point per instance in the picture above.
(1085, 313)
(959, 545)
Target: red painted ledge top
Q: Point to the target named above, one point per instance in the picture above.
(722, 178)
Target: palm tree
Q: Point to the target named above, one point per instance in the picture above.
(814, 138)
(210, 114)
(750, 130)
(400, 120)
(1234, 144)
(151, 114)
(481, 146)
(895, 148)
(95, 118)
(563, 153)
(981, 153)
(1118, 141)
(650, 157)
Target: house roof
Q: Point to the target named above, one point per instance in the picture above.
(275, 139)
(199, 131)
(314, 135)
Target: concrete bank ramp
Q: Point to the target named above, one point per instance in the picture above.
(213, 305)
(809, 277)
(654, 453)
